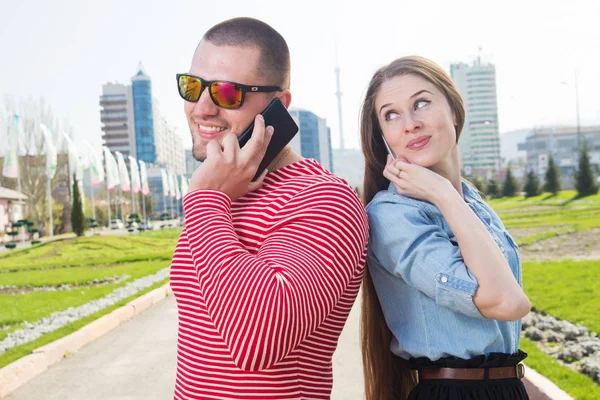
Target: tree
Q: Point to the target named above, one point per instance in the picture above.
(585, 181)
(32, 156)
(492, 189)
(77, 219)
(510, 186)
(478, 183)
(552, 178)
(532, 185)
(149, 209)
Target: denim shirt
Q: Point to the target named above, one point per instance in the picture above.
(424, 287)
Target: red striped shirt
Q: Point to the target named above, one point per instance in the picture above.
(264, 286)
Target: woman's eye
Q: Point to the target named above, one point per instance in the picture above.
(421, 104)
(390, 115)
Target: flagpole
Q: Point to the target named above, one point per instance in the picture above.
(93, 204)
(20, 198)
(19, 187)
(108, 196)
(132, 201)
(171, 204)
(50, 207)
(122, 206)
(144, 206)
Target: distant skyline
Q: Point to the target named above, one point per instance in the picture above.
(64, 51)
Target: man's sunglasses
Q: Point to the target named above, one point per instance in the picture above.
(224, 94)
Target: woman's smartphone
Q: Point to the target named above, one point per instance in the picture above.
(285, 129)
(389, 149)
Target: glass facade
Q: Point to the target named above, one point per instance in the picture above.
(309, 135)
(144, 119)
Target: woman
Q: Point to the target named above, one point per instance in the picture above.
(443, 297)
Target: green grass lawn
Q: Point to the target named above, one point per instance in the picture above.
(77, 261)
(93, 250)
(579, 386)
(79, 275)
(557, 214)
(566, 290)
(21, 351)
(18, 308)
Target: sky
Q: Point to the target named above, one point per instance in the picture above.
(65, 50)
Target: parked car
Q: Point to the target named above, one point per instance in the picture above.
(147, 226)
(116, 224)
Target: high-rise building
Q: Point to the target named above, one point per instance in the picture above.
(133, 125)
(191, 164)
(314, 137)
(144, 121)
(169, 144)
(118, 125)
(479, 142)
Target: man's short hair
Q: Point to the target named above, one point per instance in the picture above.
(275, 55)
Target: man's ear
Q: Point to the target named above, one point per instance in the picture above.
(286, 97)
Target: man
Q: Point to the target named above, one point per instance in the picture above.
(266, 272)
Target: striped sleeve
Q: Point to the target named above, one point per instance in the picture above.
(265, 304)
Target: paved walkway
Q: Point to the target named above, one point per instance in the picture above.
(136, 361)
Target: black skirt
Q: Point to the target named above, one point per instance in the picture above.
(456, 389)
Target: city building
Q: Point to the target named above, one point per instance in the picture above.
(117, 118)
(314, 137)
(563, 144)
(10, 210)
(190, 163)
(133, 125)
(169, 144)
(479, 142)
(141, 88)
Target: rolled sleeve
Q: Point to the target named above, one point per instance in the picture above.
(410, 245)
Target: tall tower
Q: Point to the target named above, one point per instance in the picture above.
(479, 142)
(339, 99)
(144, 120)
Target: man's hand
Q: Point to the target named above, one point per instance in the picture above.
(228, 168)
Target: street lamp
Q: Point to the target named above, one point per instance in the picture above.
(577, 111)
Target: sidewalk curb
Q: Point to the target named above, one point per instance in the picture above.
(545, 385)
(17, 373)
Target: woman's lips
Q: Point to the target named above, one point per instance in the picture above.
(418, 143)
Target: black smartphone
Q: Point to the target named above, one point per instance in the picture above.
(285, 128)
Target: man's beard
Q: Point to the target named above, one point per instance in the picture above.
(199, 150)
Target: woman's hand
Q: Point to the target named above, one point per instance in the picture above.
(417, 182)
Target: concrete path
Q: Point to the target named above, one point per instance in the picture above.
(136, 361)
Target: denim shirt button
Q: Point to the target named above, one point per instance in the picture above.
(444, 279)
(503, 249)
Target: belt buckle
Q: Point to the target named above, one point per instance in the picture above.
(520, 369)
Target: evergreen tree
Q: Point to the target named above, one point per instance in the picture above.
(77, 220)
(585, 180)
(510, 186)
(492, 189)
(532, 185)
(552, 183)
(478, 183)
